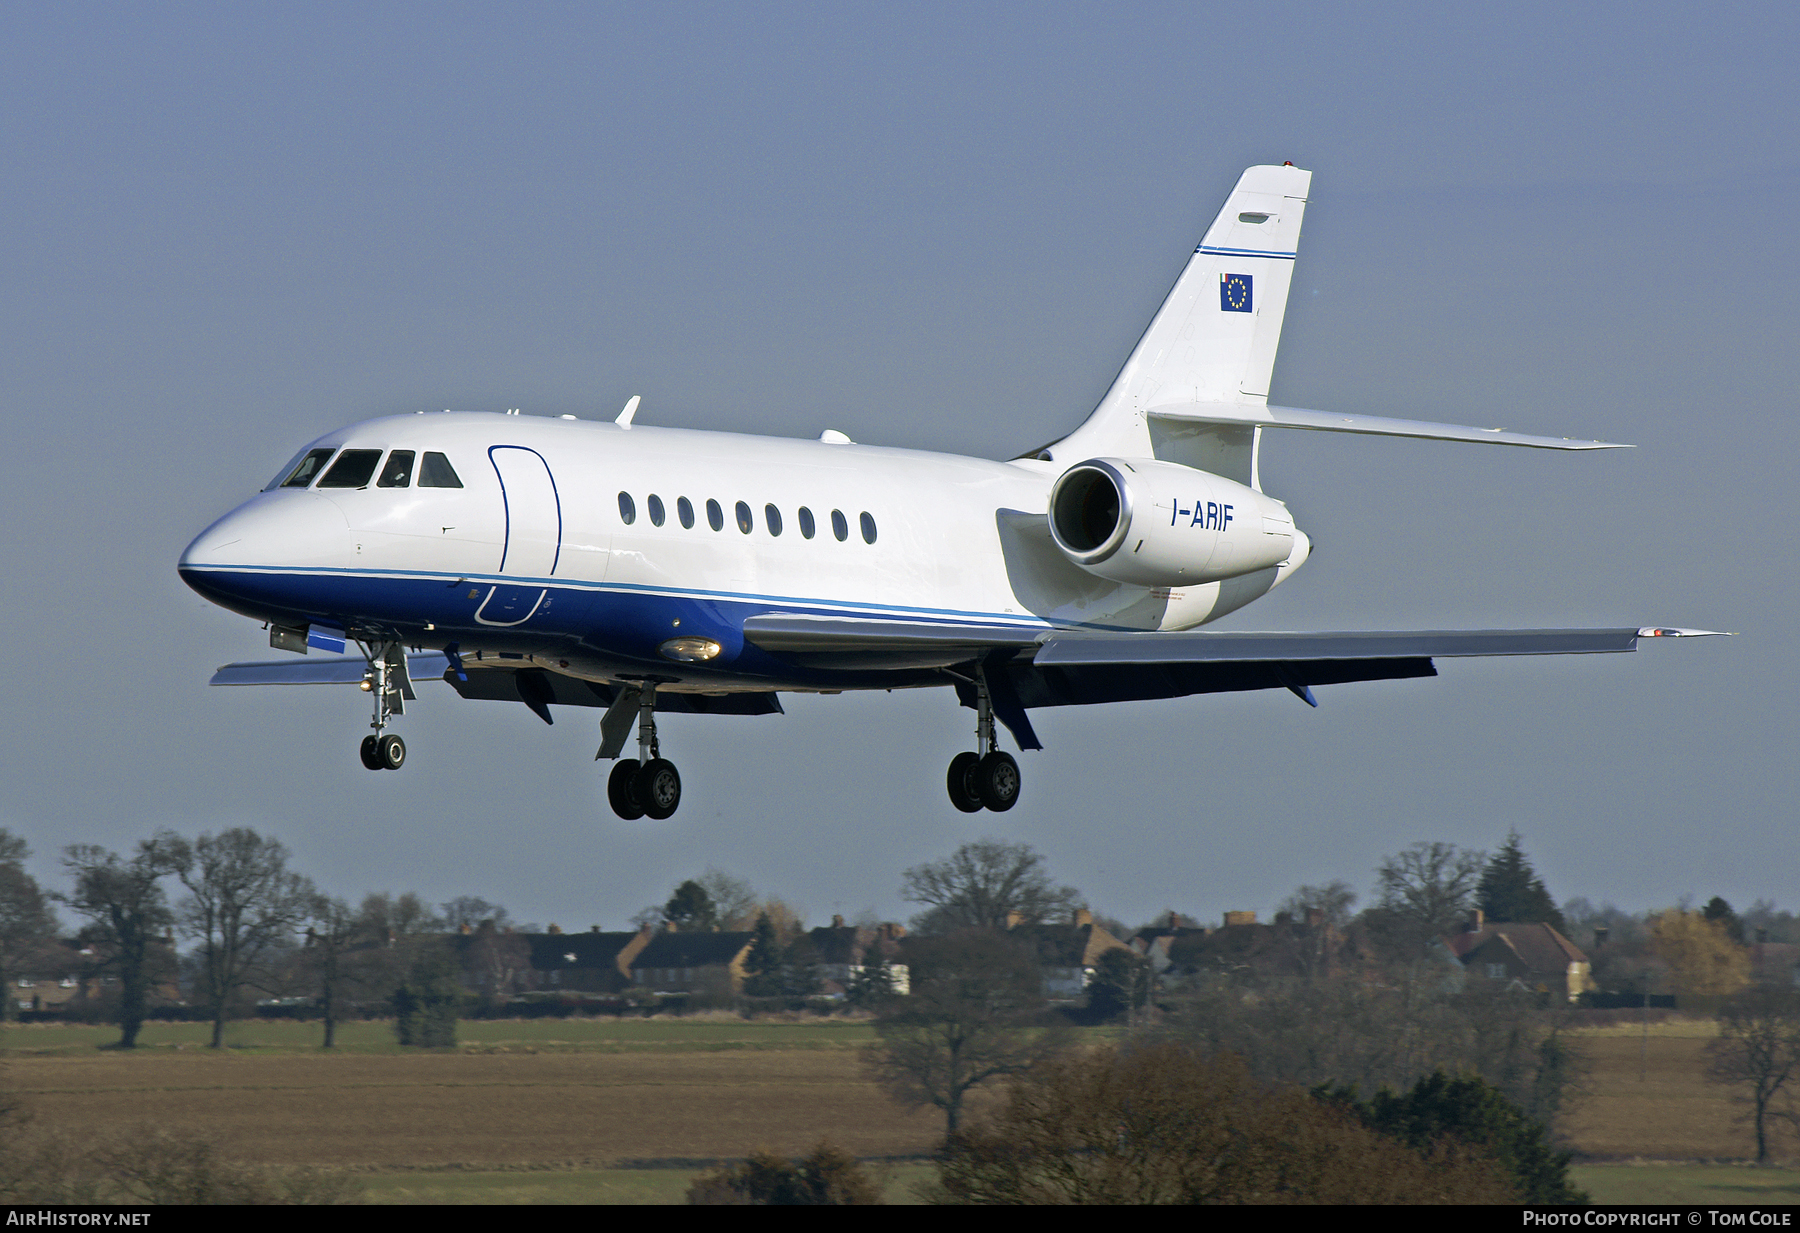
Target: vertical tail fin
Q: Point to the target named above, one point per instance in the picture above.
(1214, 338)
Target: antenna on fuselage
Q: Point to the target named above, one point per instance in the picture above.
(624, 420)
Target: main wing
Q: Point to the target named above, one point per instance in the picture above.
(1072, 667)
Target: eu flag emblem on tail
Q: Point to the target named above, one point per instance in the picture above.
(1234, 293)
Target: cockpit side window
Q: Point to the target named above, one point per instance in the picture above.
(352, 469)
(398, 472)
(435, 471)
(303, 470)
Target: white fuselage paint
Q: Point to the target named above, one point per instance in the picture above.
(957, 538)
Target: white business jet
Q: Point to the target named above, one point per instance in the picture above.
(644, 570)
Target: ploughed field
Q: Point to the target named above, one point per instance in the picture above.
(534, 1094)
(624, 1111)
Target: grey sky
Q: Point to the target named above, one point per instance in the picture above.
(232, 228)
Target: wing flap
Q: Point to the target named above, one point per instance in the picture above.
(1072, 648)
(346, 671)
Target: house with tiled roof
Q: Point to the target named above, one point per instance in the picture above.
(1531, 956)
(1305, 946)
(677, 962)
(842, 948)
(592, 962)
(1068, 953)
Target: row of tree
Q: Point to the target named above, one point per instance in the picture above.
(254, 925)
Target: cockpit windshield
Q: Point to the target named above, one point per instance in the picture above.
(352, 469)
(303, 470)
(355, 468)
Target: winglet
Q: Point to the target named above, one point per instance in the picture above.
(1652, 631)
(624, 420)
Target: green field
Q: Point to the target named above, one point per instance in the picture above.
(1702, 1185)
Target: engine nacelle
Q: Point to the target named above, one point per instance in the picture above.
(1160, 524)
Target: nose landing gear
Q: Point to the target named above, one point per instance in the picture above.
(988, 779)
(650, 786)
(388, 680)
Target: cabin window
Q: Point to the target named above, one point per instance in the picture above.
(743, 518)
(657, 513)
(435, 471)
(806, 523)
(772, 519)
(684, 510)
(398, 472)
(868, 527)
(303, 470)
(839, 527)
(627, 509)
(715, 517)
(353, 469)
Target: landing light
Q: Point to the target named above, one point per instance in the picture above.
(690, 650)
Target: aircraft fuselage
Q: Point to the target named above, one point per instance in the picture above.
(595, 545)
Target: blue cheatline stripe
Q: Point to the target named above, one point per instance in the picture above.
(1243, 252)
(812, 606)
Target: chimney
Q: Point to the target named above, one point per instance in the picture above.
(837, 922)
(1284, 918)
(554, 928)
(1477, 919)
(1239, 918)
(1014, 919)
(1601, 933)
(1082, 917)
(1315, 918)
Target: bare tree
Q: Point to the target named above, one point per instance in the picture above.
(1334, 899)
(984, 885)
(469, 912)
(1425, 892)
(26, 921)
(734, 900)
(126, 911)
(333, 932)
(970, 1018)
(243, 907)
(1758, 1052)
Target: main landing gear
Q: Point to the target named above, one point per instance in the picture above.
(389, 681)
(987, 779)
(650, 786)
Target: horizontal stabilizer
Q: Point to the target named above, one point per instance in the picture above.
(1326, 421)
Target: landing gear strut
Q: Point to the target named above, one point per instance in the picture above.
(989, 778)
(650, 786)
(388, 680)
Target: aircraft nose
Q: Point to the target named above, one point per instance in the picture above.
(278, 530)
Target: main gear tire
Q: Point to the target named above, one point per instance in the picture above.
(960, 780)
(618, 790)
(997, 781)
